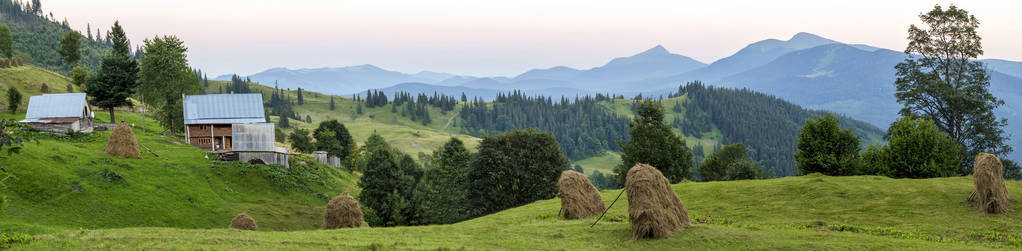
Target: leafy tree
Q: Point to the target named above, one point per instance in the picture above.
(384, 184)
(823, 147)
(654, 143)
(918, 149)
(730, 163)
(164, 75)
(117, 76)
(941, 81)
(13, 99)
(301, 141)
(442, 194)
(513, 169)
(71, 48)
(335, 139)
(599, 180)
(1012, 171)
(79, 75)
(6, 41)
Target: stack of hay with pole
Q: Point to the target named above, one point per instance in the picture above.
(579, 198)
(343, 212)
(244, 222)
(654, 210)
(122, 142)
(991, 195)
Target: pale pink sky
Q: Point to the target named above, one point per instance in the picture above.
(505, 38)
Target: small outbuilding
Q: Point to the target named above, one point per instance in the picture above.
(59, 113)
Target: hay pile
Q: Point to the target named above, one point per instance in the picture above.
(122, 142)
(991, 195)
(654, 210)
(243, 222)
(343, 212)
(579, 198)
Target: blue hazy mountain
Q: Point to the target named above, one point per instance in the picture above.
(341, 80)
(1004, 66)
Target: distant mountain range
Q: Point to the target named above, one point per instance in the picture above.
(815, 72)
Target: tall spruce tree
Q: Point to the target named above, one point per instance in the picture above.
(117, 76)
(654, 143)
(441, 197)
(941, 81)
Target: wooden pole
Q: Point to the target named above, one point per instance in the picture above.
(608, 208)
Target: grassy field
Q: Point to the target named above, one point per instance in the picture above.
(808, 212)
(29, 81)
(69, 183)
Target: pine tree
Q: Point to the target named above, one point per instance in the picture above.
(332, 107)
(653, 142)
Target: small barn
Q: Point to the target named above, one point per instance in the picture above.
(209, 118)
(59, 113)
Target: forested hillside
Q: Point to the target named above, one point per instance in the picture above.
(766, 124)
(37, 37)
(583, 127)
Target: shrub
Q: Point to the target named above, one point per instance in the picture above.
(301, 141)
(825, 148)
(918, 149)
(514, 169)
(730, 163)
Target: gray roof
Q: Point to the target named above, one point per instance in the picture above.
(224, 109)
(63, 105)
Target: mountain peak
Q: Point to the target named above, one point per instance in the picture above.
(656, 50)
(808, 37)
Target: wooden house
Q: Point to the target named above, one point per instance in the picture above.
(59, 113)
(209, 118)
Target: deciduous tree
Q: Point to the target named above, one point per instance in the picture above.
(941, 81)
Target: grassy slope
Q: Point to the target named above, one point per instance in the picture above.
(181, 188)
(789, 213)
(29, 81)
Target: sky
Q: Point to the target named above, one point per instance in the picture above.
(507, 37)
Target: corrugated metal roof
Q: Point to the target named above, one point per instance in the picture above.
(243, 108)
(63, 105)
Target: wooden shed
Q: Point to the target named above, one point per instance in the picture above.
(59, 113)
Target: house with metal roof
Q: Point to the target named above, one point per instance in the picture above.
(59, 113)
(209, 119)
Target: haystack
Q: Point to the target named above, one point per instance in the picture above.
(243, 222)
(991, 195)
(579, 198)
(343, 212)
(654, 210)
(122, 142)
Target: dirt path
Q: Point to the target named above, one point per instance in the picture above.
(451, 120)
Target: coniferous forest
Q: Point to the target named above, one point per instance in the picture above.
(767, 125)
(37, 36)
(582, 126)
